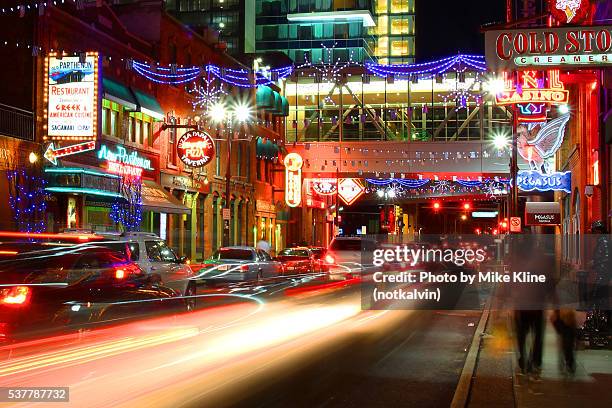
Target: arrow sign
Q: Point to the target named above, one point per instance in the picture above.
(53, 154)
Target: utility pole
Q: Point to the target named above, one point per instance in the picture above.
(514, 167)
(228, 176)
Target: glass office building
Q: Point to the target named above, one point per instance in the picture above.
(357, 30)
(302, 29)
(233, 19)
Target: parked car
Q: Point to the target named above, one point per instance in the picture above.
(46, 286)
(239, 263)
(153, 255)
(297, 260)
(319, 256)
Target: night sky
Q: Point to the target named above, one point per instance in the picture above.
(444, 27)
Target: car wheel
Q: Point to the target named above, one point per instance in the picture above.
(190, 299)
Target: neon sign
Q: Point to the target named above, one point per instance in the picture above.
(569, 11)
(293, 179)
(532, 89)
(52, 154)
(349, 190)
(561, 47)
(541, 142)
(195, 148)
(532, 180)
(123, 162)
(324, 186)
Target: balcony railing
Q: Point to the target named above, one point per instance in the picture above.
(15, 122)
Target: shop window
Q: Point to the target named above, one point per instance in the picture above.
(305, 32)
(239, 161)
(172, 143)
(114, 123)
(130, 128)
(146, 133)
(217, 159)
(138, 131)
(105, 121)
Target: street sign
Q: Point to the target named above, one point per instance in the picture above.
(515, 224)
(226, 213)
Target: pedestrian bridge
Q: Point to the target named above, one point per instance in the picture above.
(396, 159)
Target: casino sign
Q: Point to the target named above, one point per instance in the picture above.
(195, 148)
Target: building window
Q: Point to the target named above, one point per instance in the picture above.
(114, 123)
(146, 133)
(130, 128)
(105, 121)
(172, 142)
(217, 159)
(138, 131)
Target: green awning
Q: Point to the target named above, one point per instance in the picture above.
(266, 149)
(148, 105)
(265, 97)
(121, 94)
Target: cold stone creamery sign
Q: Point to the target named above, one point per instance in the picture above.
(72, 98)
(124, 162)
(544, 48)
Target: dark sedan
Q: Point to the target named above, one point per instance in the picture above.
(48, 286)
(297, 260)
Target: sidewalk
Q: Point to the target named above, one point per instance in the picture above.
(495, 382)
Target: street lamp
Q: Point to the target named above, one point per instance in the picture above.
(219, 114)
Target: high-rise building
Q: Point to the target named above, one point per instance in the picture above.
(357, 30)
(303, 29)
(395, 31)
(234, 20)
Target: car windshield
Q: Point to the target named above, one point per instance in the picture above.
(233, 253)
(293, 252)
(346, 245)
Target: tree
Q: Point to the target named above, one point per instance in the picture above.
(127, 210)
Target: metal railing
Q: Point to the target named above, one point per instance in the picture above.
(15, 122)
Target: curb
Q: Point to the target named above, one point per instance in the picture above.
(460, 398)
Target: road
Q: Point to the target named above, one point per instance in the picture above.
(276, 345)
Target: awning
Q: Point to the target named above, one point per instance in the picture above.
(266, 150)
(542, 213)
(265, 97)
(148, 105)
(121, 94)
(155, 198)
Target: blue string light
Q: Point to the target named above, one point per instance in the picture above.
(28, 200)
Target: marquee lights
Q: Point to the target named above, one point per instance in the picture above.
(195, 148)
(293, 179)
(324, 186)
(531, 88)
(52, 154)
(71, 97)
(350, 189)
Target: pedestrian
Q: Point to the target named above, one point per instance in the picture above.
(564, 322)
(530, 253)
(263, 245)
